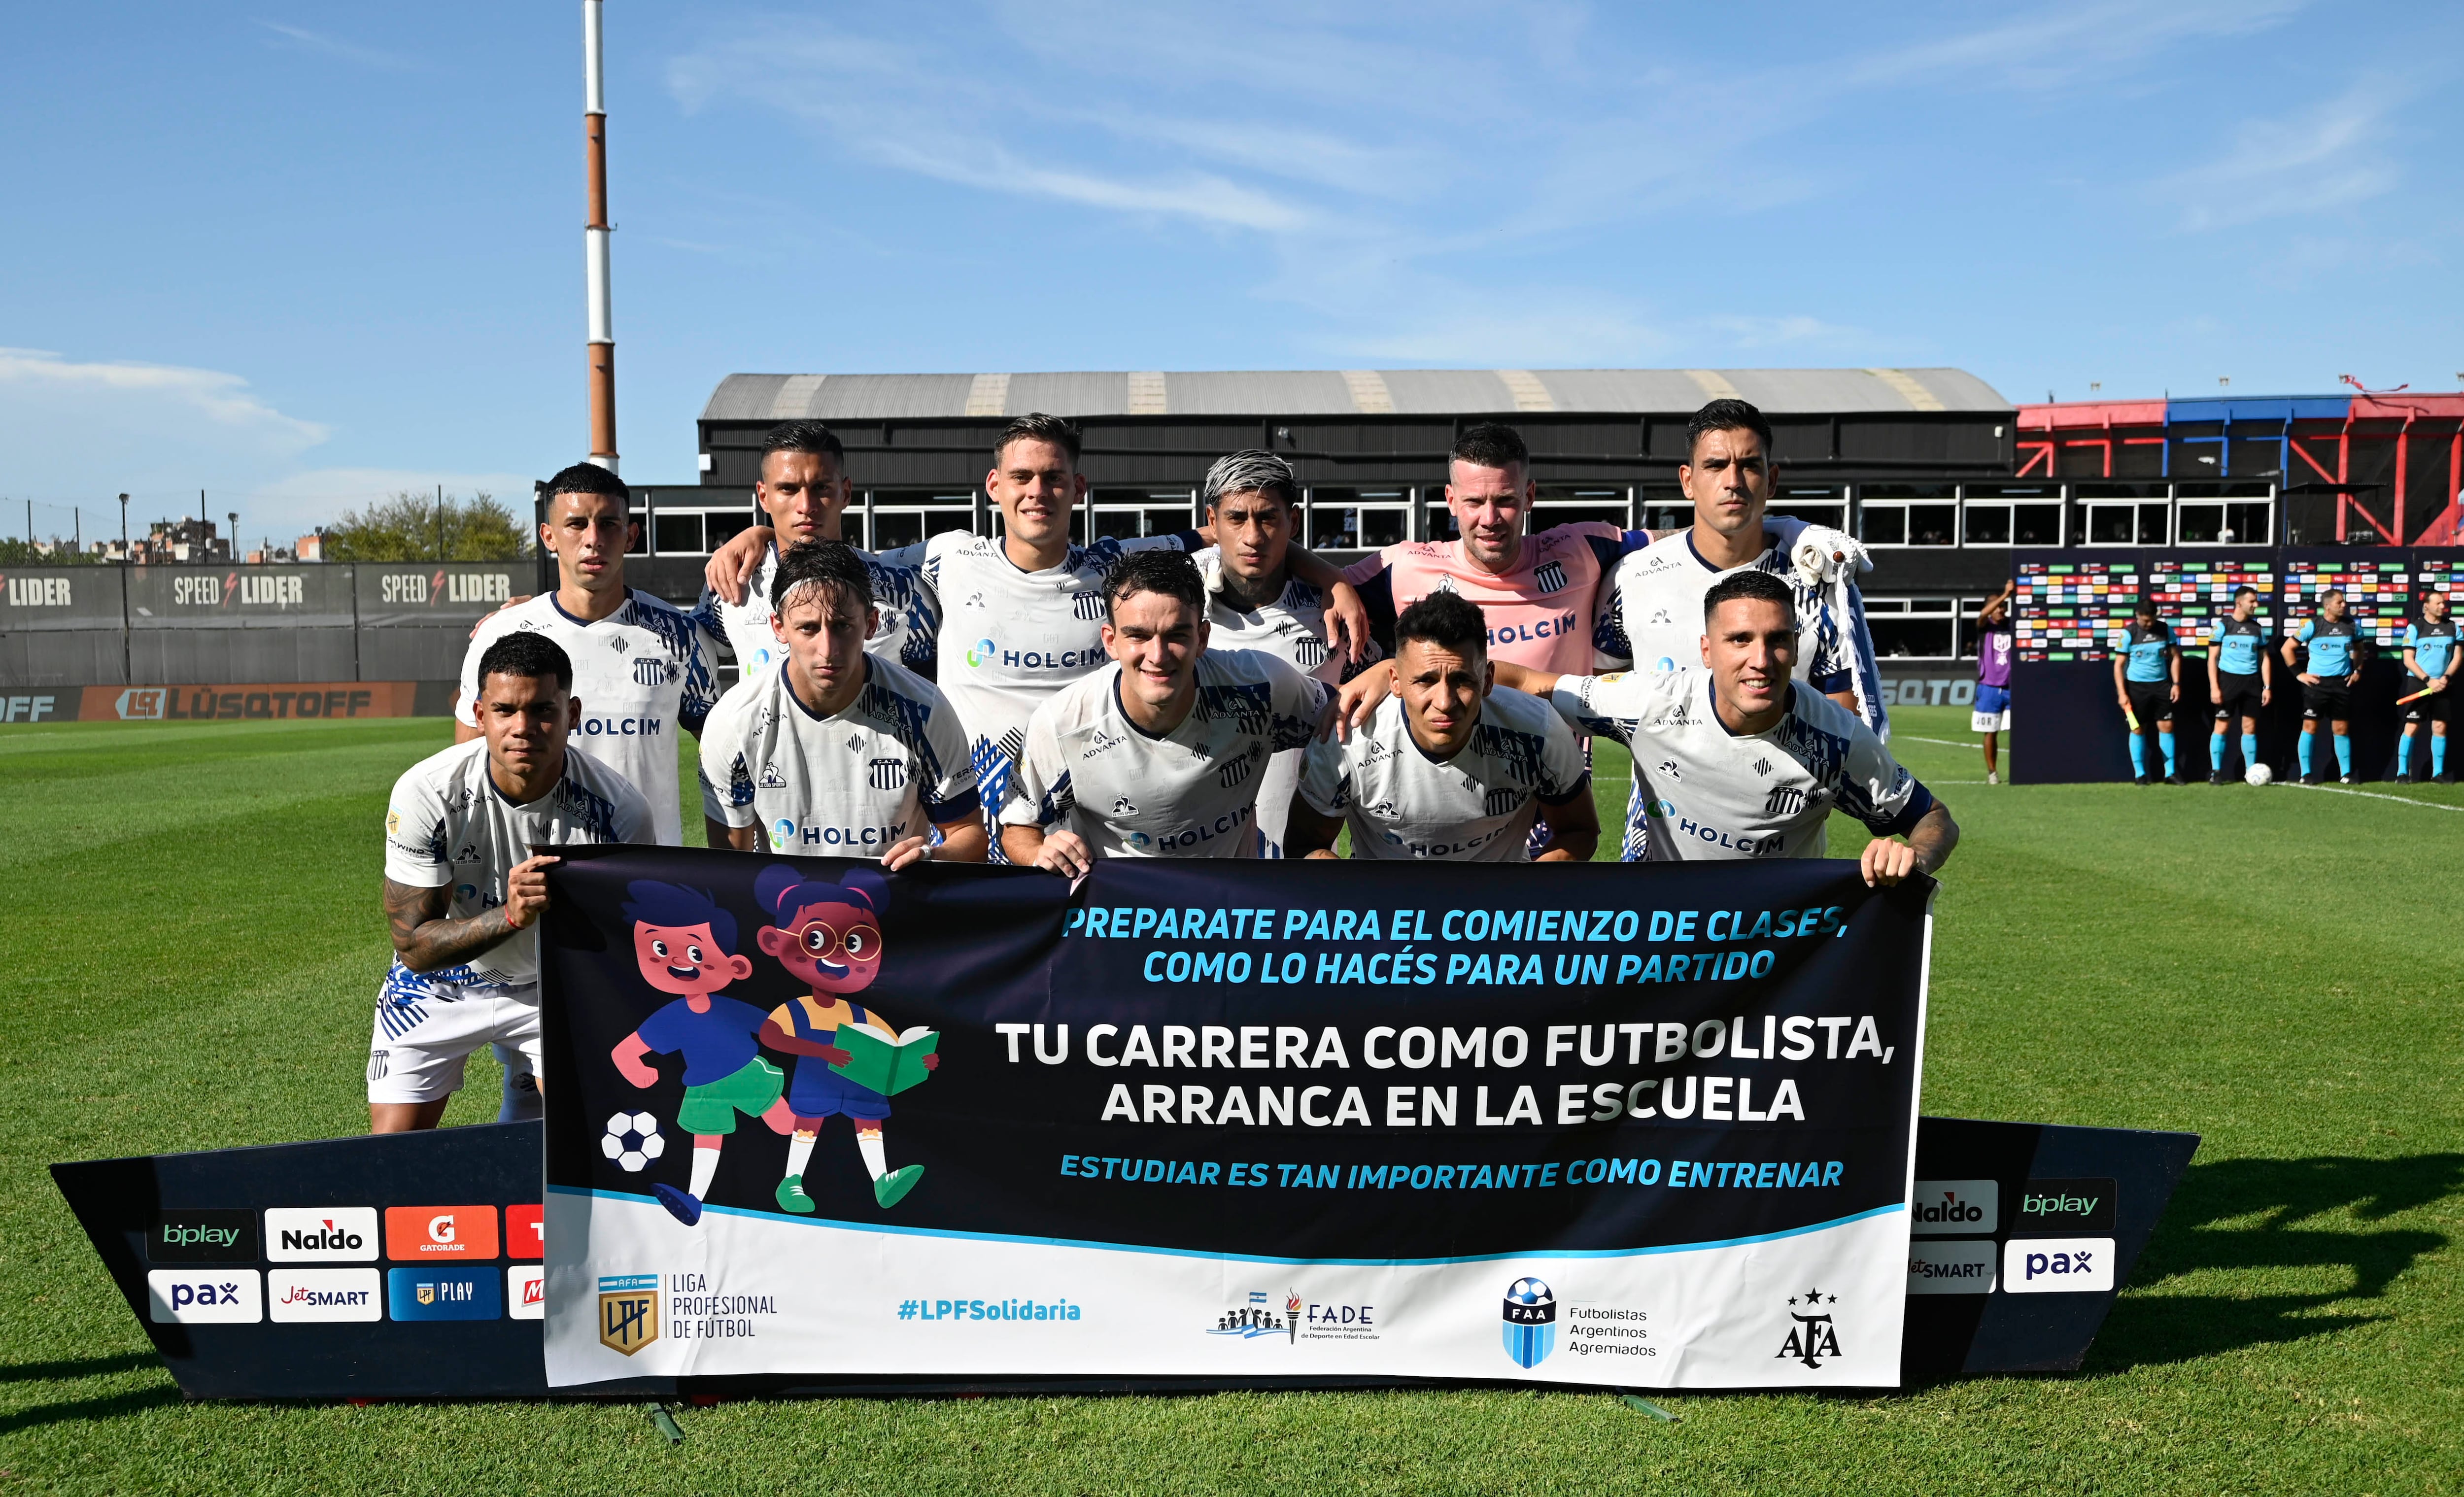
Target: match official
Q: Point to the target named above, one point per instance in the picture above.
(463, 889)
(833, 750)
(2334, 668)
(1735, 760)
(2430, 658)
(1449, 769)
(2147, 681)
(2241, 680)
(1159, 753)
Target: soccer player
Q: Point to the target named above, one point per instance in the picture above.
(2430, 656)
(2334, 648)
(2147, 681)
(1738, 761)
(1992, 715)
(2241, 680)
(1253, 601)
(1450, 769)
(464, 892)
(805, 489)
(1730, 475)
(834, 750)
(1030, 601)
(1160, 753)
(639, 667)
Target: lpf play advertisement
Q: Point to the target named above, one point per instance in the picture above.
(1629, 1125)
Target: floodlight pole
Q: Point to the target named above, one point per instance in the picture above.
(601, 347)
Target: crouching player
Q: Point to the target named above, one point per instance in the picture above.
(1734, 762)
(463, 889)
(1449, 770)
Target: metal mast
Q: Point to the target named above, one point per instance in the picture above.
(602, 346)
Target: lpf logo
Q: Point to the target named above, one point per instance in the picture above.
(628, 1311)
(1529, 1322)
(1812, 1337)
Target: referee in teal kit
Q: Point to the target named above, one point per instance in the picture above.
(2335, 667)
(2241, 680)
(2147, 681)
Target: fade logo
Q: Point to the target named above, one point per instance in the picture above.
(203, 1234)
(1252, 1318)
(1812, 1335)
(1529, 1322)
(323, 1295)
(202, 1297)
(1956, 1208)
(320, 1234)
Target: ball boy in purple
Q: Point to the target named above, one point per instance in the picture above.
(685, 944)
(1991, 715)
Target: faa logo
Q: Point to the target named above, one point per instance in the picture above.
(979, 653)
(1531, 1322)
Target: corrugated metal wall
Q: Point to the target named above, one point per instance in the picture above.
(175, 625)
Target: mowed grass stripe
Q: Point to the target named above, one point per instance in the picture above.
(2267, 968)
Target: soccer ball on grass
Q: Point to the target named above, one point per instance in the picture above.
(2258, 775)
(632, 1141)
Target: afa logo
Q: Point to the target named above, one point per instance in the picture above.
(979, 654)
(1531, 1322)
(1811, 1337)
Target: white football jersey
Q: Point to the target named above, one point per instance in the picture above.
(449, 823)
(1014, 638)
(1291, 627)
(1658, 613)
(1703, 793)
(906, 631)
(886, 768)
(1191, 793)
(640, 673)
(1475, 807)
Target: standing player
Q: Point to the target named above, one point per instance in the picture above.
(2327, 686)
(640, 668)
(805, 489)
(2241, 680)
(1730, 475)
(1991, 715)
(832, 750)
(463, 890)
(1023, 611)
(2430, 656)
(1450, 769)
(1738, 761)
(2147, 681)
(1160, 753)
(1253, 601)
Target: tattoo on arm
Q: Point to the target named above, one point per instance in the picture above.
(424, 939)
(1934, 835)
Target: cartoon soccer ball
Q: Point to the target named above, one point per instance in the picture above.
(1529, 1291)
(2258, 774)
(633, 1141)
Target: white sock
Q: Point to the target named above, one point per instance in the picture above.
(522, 1101)
(705, 1166)
(868, 1144)
(800, 1150)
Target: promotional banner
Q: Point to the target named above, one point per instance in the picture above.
(1609, 1124)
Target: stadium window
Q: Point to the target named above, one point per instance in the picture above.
(641, 540)
(1908, 515)
(1913, 628)
(1127, 514)
(895, 518)
(2011, 515)
(1815, 504)
(2125, 514)
(677, 533)
(2224, 514)
(1564, 503)
(1664, 506)
(1364, 520)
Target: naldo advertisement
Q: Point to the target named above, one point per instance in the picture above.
(1638, 1125)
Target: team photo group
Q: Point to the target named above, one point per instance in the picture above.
(1220, 692)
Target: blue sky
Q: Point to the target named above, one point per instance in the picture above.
(300, 255)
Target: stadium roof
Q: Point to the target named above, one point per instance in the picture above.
(1343, 392)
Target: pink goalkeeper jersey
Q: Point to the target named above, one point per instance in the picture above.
(1541, 615)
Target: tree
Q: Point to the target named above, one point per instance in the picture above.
(416, 527)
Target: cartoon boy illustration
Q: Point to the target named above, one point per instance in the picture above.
(686, 943)
(829, 937)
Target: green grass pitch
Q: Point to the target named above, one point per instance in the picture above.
(193, 942)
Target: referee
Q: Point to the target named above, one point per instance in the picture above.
(2327, 686)
(2241, 680)
(2430, 654)
(2147, 681)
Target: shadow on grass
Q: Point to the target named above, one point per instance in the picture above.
(110, 1406)
(2261, 1214)
(89, 1367)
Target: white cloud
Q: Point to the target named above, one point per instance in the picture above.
(31, 377)
(303, 39)
(2333, 153)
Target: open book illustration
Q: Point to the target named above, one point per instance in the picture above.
(885, 1066)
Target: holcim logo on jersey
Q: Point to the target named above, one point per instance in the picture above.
(983, 653)
(1545, 628)
(620, 727)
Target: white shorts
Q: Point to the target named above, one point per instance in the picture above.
(427, 1026)
(1990, 721)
